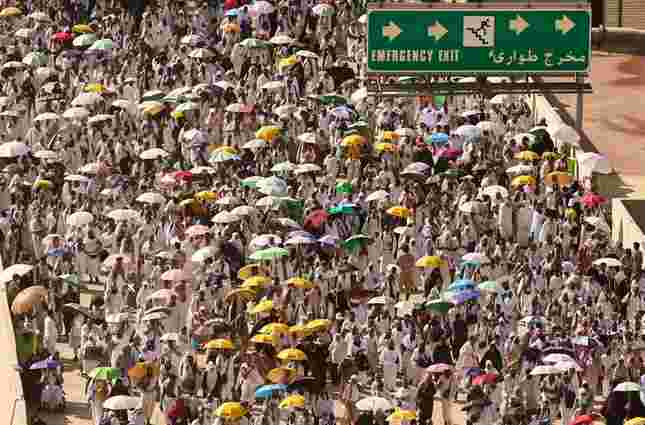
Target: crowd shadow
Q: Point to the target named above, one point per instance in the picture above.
(612, 186)
(634, 66)
(636, 125)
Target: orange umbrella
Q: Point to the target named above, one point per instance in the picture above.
(28, 298)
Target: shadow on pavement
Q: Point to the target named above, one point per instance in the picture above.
(612, 186)
(636, 125)
(633, 66)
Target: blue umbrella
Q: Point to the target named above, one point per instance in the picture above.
(57, 252)
(329, 240)
(45, 364)
(461, 285)
(463, 296)
(470, 263)
(232, 12)
(266, 391)
(439, 138)
(473, 371)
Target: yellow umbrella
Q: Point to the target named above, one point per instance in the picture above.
(243, 293)
(300, 330)
(385, 147)
(287, 62)
(281, 375)
(268, 133)
(292, 354)
(43, 184)
(429, 262)
(253, 270)
(94, 88)
(402, 415)
(271, 328)
(527, 156)
(220, 344)
(229, 149)
(300, 282)
(558, 177)
(231, 28)
(390, 135)
(11, 11)
(231, 410)
(523, 181)
(177, 114)
(636, 421)
(292, 401)
(262, 307)
(262, 339)
(82, 28)
(550, 156)
(319, 325)
(206, 195)
(353, 140)
(153, 110)
(250, 287)
(256, 281)
(401, 212)
(187, 202)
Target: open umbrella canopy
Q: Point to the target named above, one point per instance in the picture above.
(269, 391)
(121, 402)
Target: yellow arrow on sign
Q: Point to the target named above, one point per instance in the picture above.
(391, 31)
(564, 25)
(437, 31)
(519, 25)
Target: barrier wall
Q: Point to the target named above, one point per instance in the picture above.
(12, 403)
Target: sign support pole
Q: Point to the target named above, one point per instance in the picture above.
(580, 80)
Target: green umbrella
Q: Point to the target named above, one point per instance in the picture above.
(332, 98)
(341, 209)
(84, 40)
(269, 254)
(358, 125)
(453, 172)
(407, 79)
(489, 286)
(35, 59)
(187, 106)
(105, 373)
(283, 167)
(152, 95)
(439, 306)
(355, 243)
(439, 100)
(103, 44)
(251, 181)
(174, 99)
(71, 279)
(254, 43)
(344, 187)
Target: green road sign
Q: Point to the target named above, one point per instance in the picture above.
(462, 40)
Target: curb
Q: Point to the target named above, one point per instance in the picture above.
(619, 40)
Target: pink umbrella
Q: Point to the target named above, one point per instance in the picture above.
(175, 275)
(438, 368)
(592, 200)
(197, 230)
(449, 153)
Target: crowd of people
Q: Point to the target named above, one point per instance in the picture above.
(208, 205)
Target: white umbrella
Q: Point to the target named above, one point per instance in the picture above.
(47, 116)
(610, 262)
(486, 126)
(379, 195)
(225, 217)
(201, 255)
(244, 210)
(273, 85)
(557, 358)
(359, 95)
(476, 256)
(627, 387)
(76, 113)
(380, 300)
(155, 315)
(46, 154)
(201, 53)
(468, 131)
(13, 64)
(471, 207)
(190, 39)
(124, 215)
(307, 54)
(77, 178)
(172, 336)
(267, 201)
(255, 144)
(566, 134)
(228, 200)
(500, 99)
(202, 169)
(80, 218)
(285, 110)
(39, 16)
(406, 132)
(519, 169)
(300, 240)
(374, 404)
(86, 99)
(283, 167)
(262, 7)
(545, 370)
(154, 153)
(307, 168)
(595, 162)
(151, 198)
(13, 149)
(599, 223)
(123, 104)
(19, 269)
(492, 191)
(24, 33)
(100, 118)
(281, 39)
(568, 365)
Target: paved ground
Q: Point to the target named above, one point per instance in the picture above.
(614, 120)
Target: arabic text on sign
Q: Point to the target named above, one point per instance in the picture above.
(429, 56)
(515, 57)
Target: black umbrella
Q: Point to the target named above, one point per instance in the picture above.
(340, 74)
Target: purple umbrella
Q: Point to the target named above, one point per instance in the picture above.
(45, 364)
(463, 296)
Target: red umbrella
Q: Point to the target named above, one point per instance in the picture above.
(450, 153)
(316, 219)
(592, 200)
(582, 419)
(486, 378)
(62, 37)
(230, 4)
(183, 175)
